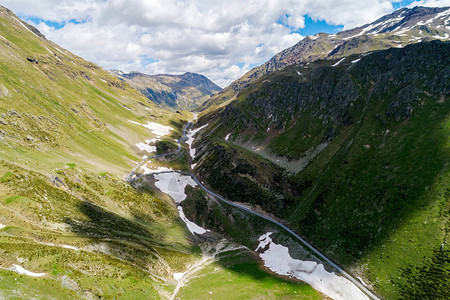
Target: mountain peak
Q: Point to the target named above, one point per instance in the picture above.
(398, 29)
(186, 91)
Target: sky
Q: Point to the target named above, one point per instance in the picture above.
(221, 39)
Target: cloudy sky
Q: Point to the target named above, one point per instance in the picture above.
(221, 39)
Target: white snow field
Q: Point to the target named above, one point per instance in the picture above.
(277, 259)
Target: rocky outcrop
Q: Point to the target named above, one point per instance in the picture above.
(402, 27)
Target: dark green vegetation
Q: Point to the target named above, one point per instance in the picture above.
(376, 196)
(176, 92)
(403, 27)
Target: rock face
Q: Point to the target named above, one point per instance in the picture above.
(380, 122)
(338, 94)
(180, 92)
(401, 28)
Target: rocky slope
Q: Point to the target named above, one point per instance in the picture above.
(353, 153)
(179, 92)
(403, 27)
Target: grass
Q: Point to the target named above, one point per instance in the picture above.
(240, 277)
(376, 198)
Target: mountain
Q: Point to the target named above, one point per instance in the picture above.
(353, 153)
(68, 134)
(179, 92)
(71, 226)
(403, 27)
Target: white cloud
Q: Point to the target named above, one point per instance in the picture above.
(209, 37)
(431, 3)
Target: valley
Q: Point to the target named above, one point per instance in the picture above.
(321, 174)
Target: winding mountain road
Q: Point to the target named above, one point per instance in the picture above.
(130, 178)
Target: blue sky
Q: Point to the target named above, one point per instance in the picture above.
(220, 39)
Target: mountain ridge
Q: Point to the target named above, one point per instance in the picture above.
(352, 152)
(186, 91)
(381, 34)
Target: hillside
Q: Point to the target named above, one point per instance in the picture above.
(178, 92)
(66, 142)
(403, 27)
(353, 154)
(71, 227)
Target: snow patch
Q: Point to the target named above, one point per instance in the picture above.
(151, 141)
(24, 25)
(441, 37)
(178, 276)
(191, 138)
(145, 147)
(152, 171)
(227, 137)
(174, 184)
(2, 226)
(336, 64)
(192, 227)
(70, 247)
(20, 270)
(156, 128)
(356, 60)
(278, 260)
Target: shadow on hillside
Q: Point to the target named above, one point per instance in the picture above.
(124, 238)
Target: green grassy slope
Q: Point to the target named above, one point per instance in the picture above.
(376, 197)
(66, 142)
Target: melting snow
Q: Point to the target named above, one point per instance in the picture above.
(156, 128)
(227, 137)
(70, 247)
(191, 138)
(174, 184)
(145, 147)
(356, 60)
(193, 228)
(278, 260)
(152, 171)
(178, 276)
(24, 26)
(336, 64)
(20, 270)
(2, 226)
(441, 37)
(151, 141)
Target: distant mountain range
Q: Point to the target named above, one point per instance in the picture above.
(179, 92)
(398, 29)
